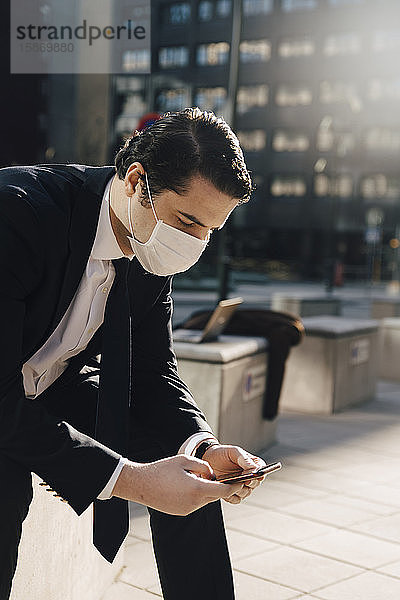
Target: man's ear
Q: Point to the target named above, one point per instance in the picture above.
(132, 177)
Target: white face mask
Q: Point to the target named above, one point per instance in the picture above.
(168, 250)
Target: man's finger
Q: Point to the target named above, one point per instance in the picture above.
(198, 467)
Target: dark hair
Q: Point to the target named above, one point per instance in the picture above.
(183, 144)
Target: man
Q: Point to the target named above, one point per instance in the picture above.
(87, 257)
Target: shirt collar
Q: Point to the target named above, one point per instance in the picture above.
(105, 246)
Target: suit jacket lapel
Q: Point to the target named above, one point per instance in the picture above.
(84, 221)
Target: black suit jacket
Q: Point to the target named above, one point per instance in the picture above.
(48, 221)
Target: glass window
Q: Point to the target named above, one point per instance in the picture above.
(135, 60)
(382, 139)
(257, 7)
(345, 2)
(177, 13)
(255, 51)
(384, 41)
(383, 89)
(380, 186)
(252, 141)
(285, 140)
(208, 9)
(174, 56)
(251, 96)
(211, 98)
(288, 185)
(223, 8)
(340, 92)
(212, 54)
(293, 5)
(294, 47)
(293, 94)
(342, 44)
(333, 185)
(327, 139)
(172, 100)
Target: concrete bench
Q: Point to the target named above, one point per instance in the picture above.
(57, 560)
(389, 349)
(306, 306)
(227, 379)
(382, 308)
(335, 366)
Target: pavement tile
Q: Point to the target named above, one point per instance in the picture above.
(140, 569)
(367, 586)
(386, 528)
(241, 545)
(297, 490)
(392, 569)
(254, 588)
(354, 548)
(277, 527)
(267, 496)
(123, 591)
(380, 493)
(232, 512)
(139, 522)
(372, 507)
(379, 471)
(321, 480)
(302, 571)
(324, 511)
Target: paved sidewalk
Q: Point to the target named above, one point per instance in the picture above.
(326, 526)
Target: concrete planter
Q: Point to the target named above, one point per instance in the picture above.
(335, 366)
(227, 379)
(57, 560)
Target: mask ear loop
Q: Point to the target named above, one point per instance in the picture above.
(150, 198)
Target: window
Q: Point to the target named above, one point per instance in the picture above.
(328, 140)
(380, 186)
(177, 13)
(383, 89)
(257, 7)
(172, 99)
(212, 98)
(382, 139)
(293, 94)
(251, 96)
(290, 141)
(342, 44)
(288, 185)
(255, 51)
(128, 84)
(136, 61)
(333, 185)
(384, 41)
(212, 54)
(252, 141)
(345, 2)
(295, 47)
(209, 9)
(174, 56)
(293, 5)
(340, 92)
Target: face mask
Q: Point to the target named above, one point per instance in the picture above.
(168, 250)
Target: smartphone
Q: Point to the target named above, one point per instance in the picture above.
(240, 476)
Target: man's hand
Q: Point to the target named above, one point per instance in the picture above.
(223, 459)
(177, 485)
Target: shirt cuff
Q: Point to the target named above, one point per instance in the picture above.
(190, 446)
(106, 493)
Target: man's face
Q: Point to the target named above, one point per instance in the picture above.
(201, 209)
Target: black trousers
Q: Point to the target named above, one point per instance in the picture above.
(191, 552)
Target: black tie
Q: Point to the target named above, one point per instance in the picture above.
(111, 517)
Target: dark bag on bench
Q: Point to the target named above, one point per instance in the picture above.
(282, 330)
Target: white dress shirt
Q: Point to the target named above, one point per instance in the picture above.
(83, 317)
